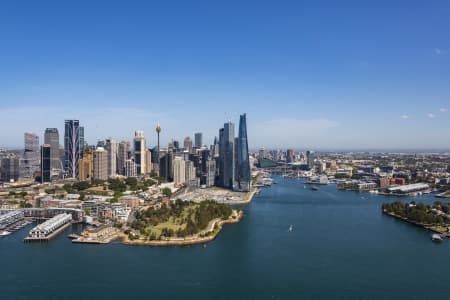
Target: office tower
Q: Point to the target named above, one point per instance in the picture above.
(211, 174)
(215, 148)
(310, 159)
(191, 176)
(101, 164)
(243, 161)
(113, 148)
(86, 165)
(188, 144)
(148, 160)
(122, 155)
(176, 145)
(262, 153)
(155, 159)
(179, 170)
(51, 137)
(9, 167)
(82, 142)
(139, 152)
(130, 168)
(72, 147)
(227, 156)
(198, 139)
(31, 163)
(290, 156)
(46, 163)
(165, 166)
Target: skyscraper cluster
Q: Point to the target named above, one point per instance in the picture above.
(233, 160)
(225, 163)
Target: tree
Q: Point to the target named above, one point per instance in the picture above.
(167, 192)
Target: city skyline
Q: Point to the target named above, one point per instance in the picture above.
(306, 78)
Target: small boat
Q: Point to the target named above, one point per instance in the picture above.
(204, 245)
(291, 228)
(436, 238)
(314, 188)
(4, 233)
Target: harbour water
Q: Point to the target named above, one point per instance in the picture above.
(340, 247)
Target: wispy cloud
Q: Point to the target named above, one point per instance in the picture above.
(404, 117)
(431, 115)
(440, 51)
(443, 110)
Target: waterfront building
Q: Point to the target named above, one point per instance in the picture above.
(227, 156)
(188, 144)
(31, 164)
(310, 159)
(48, 227)
(243, 160)
(198, 140)
(113, 148)
(73, 137)
(86, 165)
(101, 164)
(179, 170)
(140, 152)
(51, 137)
(45, 163)
(123, 151)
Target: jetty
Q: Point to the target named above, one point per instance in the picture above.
(50, 228)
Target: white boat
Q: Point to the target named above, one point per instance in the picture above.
(436, 238)
(291, 228)
(4, 233)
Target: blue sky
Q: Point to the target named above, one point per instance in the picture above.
(309, 74)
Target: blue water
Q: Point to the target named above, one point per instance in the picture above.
(341, 247)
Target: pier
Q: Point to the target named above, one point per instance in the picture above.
(50, 228)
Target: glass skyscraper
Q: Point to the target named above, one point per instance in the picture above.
(243, 162)
(72, 146)
(227, 166)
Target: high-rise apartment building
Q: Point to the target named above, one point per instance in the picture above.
(101, 164)
(86, 165)
(123, 151)
(113, 148)
(46, 163)
(179, 170)
(130, 168)
(140, 151)
(73, 137)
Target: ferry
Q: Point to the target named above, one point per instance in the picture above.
(436, 238)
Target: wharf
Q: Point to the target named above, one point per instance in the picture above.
(50, 236)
